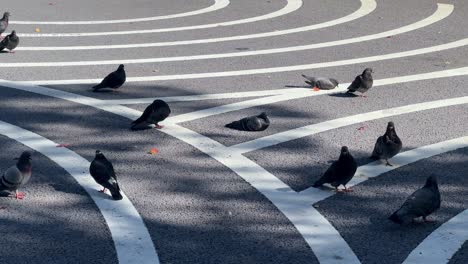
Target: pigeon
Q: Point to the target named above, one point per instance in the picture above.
(251, 123)
(387, 145)
(154, 113)
(340, 172)
(321, 83)
(103, 173)
(114, 80)
(422, 202)
(362, 83)
(10, 42)
(4, 22)
(17, 176)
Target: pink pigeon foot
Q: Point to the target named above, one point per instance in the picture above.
(158, 126)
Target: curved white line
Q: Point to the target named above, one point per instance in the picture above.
(451, 45)
(132, 241)
(218, 4)
(442, 12)
(440, 246)
(367, 6)
(291, 6)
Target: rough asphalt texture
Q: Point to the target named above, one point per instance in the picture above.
(197, 210)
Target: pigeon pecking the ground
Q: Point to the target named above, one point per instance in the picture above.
(362, 83)
(4, 22)
(154, 113)
(387, 145)
(422, 202)
(114, 80)
(251, 123)
(321, 83)
(10, 42)
(103, 173)
(17, 176)
(340, 172)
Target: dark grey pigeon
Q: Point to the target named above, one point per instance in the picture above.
(103, 173)
(114, 80)
(16, 176)
(156, 112)
(387, 145)
(4, 22)
(340, 172)
(362, 83)
(422, 202)
(10, 42)
(251, 123)
(321, 82)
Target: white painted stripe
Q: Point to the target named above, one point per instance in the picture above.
(132, 241)
(367, 6)
(440, 246)
(291, 6)
(342, 122)
(442, 12)
(217, 5)
(451, 45)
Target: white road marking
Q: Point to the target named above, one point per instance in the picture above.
(367, 6)
(442, 12)
(442, 47)
(132, 241)
(291, 6)
(440, 246)
(217, 5)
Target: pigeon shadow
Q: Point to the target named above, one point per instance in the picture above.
(343, 95)
(104, 91)
(297, 86)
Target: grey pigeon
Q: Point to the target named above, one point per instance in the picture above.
(251, 123)
(114, 80)
(422, 202)
(103, 173)
(154, 113)
(362, 83)
(4, 22)
(10, 42)
(340, 172)
(17, 176)
(387, 145)
(321, 82)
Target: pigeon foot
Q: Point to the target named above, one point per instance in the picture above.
(19, 195)
(103, 190)
(428, 220)
(158, 126)
(348, 190)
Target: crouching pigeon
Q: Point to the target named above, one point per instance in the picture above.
(321, 83)
(340, 172)
(10, 42)
(387, 145)
(103, 173)
(154, 113)
(4, 22)
(251, 123)
(17, 176)
(114, 80)
(422, 202)
(362, 83)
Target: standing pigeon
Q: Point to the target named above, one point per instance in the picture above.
(103, 173)
(4, 22)
(340, 172)
(10, 42)
(387, 145)
(114, 80)
(362, 83)
(422, 202)
(251, 123)
(154, 113)
(17, 175)
(321, 83)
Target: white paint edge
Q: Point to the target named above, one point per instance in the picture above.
(442, 12)
(442, 244)
(217, 5)
(367, 6)
(291, 6)
(132, 241)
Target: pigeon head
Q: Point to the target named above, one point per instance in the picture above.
(26, 155)
(6, 15)
(334, 81)
(99, 154)
(431, 182)
(390, 126)
(367, 73)
(263, 115)
(344, 150)
(13, 33)
(121, 67)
